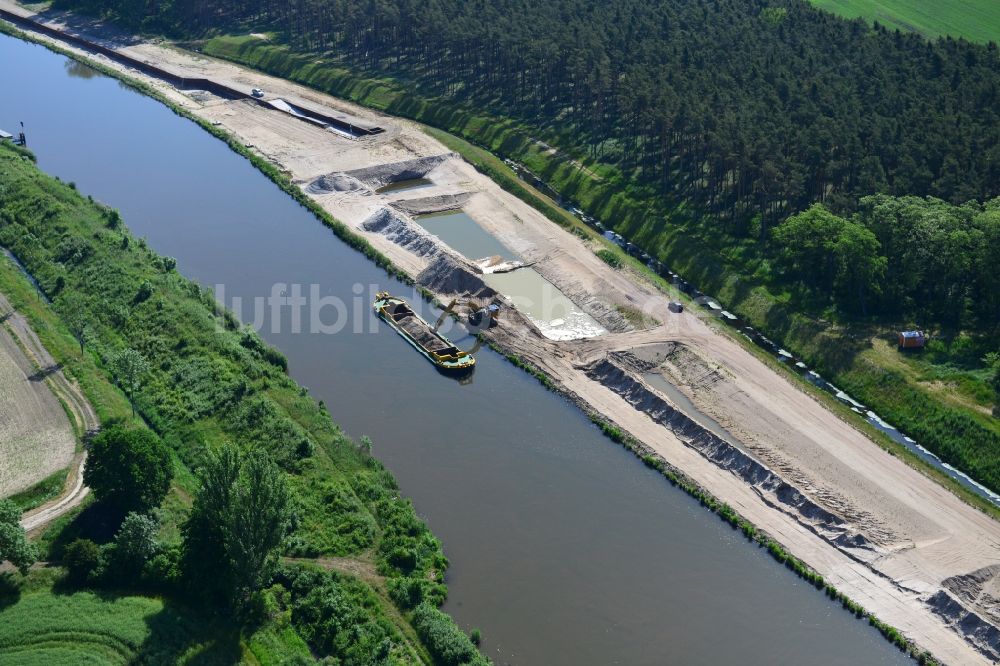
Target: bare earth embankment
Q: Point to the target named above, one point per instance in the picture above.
(884, 534)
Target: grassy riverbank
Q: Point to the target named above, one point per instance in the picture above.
(210, 382)
(954, 423)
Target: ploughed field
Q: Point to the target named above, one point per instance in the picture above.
(36, 438)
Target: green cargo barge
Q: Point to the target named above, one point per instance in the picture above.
(438, 349)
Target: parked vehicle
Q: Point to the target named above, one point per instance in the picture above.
(912, 339)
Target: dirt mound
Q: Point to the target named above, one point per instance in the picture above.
(979, 589)
(385, 174)
(436, 204)
(978, 632)
(336, 182)
(447, 275)
(771, 487)
(402, 232)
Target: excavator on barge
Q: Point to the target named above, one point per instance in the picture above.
(426, 339)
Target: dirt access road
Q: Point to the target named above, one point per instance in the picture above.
(48, 440)
(884, 534)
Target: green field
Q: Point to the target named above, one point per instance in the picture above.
(51, 629)
(976, 20)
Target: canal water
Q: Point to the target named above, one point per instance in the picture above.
(565, 549)
(405, 186)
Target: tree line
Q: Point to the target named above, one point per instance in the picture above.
(907, 257)
(744, 107)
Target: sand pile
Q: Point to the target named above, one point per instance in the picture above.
(977, 631)
(336, 182)
(447, 275)
(402, 232)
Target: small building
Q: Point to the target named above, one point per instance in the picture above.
(912, 339)
(676, 306)
(6, 136)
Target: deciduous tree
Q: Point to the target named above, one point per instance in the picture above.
(130, 368)
(129, 468)
(14, 545)
(238, 520)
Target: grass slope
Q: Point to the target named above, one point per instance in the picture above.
(50, 629)
(975, 20)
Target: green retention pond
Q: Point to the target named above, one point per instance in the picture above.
(548, 308)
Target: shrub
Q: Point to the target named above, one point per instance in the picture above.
(403, 559)
(144, 292)
(409, 593)
(609, 257)
(250, 340)
(135, 544)
(82, 559)
(128, 469)
(331, 613)
(163, 571)
(445, 641)
(113, 217)
(14, 545)
(73, 250)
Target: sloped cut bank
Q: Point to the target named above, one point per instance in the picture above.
(403, 232)
(774, 490)
(980, 589)
(395, 172)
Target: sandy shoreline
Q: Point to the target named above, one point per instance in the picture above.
(885, 535)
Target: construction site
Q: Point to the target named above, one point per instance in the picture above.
(880, 531)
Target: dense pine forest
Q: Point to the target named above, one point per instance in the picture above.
(749, 111)
(742, 105)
